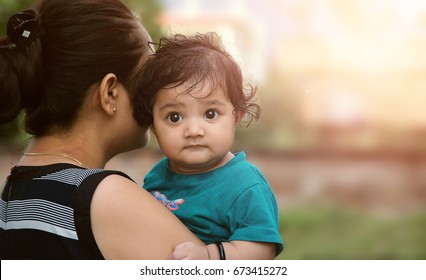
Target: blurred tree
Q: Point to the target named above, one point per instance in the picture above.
(7, 8)
(11, 131)
(148, 10)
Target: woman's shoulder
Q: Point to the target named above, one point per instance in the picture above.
(121, 208)
(114, 187)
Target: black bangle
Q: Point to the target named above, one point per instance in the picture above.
(221, 250)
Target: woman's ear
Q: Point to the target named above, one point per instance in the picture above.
(108, 93)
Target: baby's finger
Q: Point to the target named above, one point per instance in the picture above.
(179, 253)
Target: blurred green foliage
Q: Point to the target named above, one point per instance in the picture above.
(148, 11)
(9, 7)
(329, 233)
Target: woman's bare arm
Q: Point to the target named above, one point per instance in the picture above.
(128, 223)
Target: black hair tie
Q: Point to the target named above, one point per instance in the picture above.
(23, 29)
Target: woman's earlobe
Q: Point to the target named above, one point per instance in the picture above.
(108, 92)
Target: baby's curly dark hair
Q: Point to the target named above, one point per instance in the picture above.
(195, 60)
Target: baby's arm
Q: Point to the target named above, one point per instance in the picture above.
(234, 250)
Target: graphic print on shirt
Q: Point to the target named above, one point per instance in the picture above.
(170, 204)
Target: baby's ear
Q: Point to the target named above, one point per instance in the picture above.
(239, 115)
(151, 127)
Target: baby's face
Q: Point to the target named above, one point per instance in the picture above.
(195, 130)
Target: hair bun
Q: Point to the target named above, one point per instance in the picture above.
(23, 29)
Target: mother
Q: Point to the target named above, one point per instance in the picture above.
(70, 66)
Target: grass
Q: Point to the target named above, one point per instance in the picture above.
(327, 233)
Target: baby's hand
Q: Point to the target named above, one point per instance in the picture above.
(190, 251)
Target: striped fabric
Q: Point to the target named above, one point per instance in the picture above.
(37, 213)
(70, 176)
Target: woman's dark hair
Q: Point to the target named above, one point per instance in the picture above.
(81, 41)
(195, 59)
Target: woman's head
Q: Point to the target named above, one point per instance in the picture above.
(81, 42)
(196, 60)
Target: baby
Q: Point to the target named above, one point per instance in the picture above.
(194, 101)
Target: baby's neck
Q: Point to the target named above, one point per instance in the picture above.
(200, 168)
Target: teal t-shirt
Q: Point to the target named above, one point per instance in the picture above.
(232, 202)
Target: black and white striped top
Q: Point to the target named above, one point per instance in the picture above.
(45, 212)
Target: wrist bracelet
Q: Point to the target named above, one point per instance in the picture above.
(221, 250)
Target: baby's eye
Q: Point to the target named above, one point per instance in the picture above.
(210, 114)
(174, 117)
